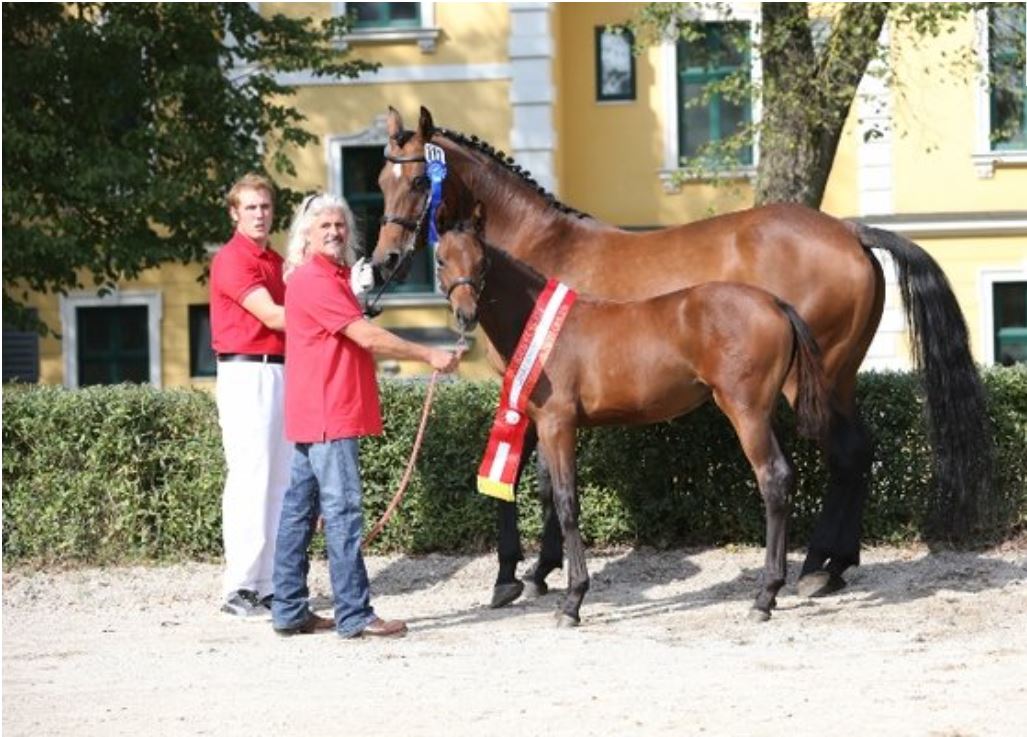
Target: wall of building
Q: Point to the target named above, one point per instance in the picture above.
(523, 77)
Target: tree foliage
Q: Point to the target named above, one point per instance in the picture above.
(812, 58)
(124, 124)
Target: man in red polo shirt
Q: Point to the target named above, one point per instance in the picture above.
(247, 320)
(331, 399)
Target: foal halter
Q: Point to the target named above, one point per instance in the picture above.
(476, 285)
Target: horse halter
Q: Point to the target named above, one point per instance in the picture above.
(476, 285)
(405, 222)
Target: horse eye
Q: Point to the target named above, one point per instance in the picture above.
(419, 183)
(440, 263)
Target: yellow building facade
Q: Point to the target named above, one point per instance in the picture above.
(605, 133)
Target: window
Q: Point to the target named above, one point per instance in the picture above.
(711, 58)
(385, 15)
(1007, 28)
(615, 65)
(202, 362)
(111, 338)
(113, 345)
(360, 167)
(390, 23)
(1009, 300)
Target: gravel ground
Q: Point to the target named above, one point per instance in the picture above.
(920, 643)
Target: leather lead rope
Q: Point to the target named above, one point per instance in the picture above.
(401, 492)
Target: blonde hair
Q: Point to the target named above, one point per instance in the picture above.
(296, 253)
(251, 180)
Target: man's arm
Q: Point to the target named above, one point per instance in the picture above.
(381, 342)
(259, 304)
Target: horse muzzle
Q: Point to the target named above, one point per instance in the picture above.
(466, 320)
(391, 265)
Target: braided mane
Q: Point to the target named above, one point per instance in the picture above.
(507, 162)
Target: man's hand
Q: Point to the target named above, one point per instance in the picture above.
(443, 361)
(361, 277)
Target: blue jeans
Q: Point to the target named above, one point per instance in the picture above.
(328, 474)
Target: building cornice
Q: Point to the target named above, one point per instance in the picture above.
(951, 225)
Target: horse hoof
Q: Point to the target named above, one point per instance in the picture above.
(758, 615)
(564, 620)
(820, 583)
(505, 593)
(535, 589)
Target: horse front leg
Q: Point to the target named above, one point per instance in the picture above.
(550, 557)
(508, 588)
(556, 442)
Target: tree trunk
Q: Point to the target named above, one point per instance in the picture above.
(805, 99)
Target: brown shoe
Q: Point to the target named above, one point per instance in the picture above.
(379, 627)
(313, 624)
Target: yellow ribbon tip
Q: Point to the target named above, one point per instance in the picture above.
(497, 489)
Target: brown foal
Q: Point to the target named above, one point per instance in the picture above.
(648, 361)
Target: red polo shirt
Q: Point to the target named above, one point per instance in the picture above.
(331, 390)
(237, 269)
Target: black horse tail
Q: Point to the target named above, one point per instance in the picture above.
(812, 409)
(956, 416)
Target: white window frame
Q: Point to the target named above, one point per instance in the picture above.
(984, 158)
(671, 173)
(69, 305)
(426, 36)
(375, 134)
(986, 280)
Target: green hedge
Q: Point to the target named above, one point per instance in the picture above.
(131, 473)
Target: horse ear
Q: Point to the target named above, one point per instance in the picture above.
(478, 218)
(393, 123)
(425, 126)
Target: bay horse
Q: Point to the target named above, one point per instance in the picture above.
(821, 265)
(642, 362)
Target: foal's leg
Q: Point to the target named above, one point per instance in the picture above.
(551, 555)
(836, 538)
(776, 480)
(507, 587)
(556, 440)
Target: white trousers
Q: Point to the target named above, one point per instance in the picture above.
(251, 412)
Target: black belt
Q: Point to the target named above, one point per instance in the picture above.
(251, 357)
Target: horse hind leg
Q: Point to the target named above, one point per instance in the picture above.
(776, 480)
(835, 544)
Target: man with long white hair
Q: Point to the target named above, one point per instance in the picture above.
(331, 400)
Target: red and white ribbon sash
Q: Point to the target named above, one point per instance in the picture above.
(498, 470)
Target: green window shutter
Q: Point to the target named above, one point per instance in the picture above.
(1007, 28)
(385, 15)
(711, 58)
(202, 361)
(113, 345)
(1010, 321)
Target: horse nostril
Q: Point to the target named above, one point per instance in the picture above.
(466, 322)
(391, 259)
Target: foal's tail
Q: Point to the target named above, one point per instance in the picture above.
(956, 415)
(812, 409)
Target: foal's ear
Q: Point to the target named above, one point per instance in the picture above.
(425, 126)
(393, 123)
(478, 218)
